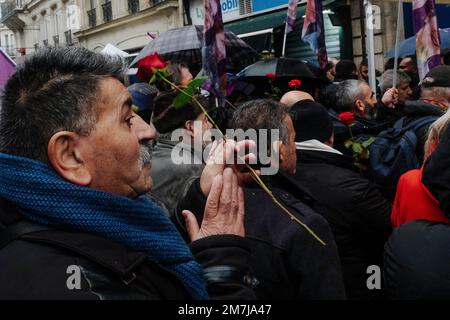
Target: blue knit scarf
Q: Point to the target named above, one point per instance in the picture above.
(43, 196)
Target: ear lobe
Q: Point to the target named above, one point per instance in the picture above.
(188, 127)
(360, 106)
(66, 158)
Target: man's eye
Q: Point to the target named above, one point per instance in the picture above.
(128, 120)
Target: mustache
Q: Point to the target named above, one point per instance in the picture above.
(145, 153)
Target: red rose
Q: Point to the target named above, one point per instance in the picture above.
(347, 118)
(148, 65)
(271, 76)
(295, 84)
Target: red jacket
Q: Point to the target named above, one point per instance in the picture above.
(413, 201)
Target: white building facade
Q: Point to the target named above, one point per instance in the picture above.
(125, 23)
(41, 23)
(7, 39)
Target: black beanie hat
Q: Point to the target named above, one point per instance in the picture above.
(311, 121)
(345, 70)
(439, 76)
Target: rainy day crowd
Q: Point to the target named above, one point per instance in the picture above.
(94, 205)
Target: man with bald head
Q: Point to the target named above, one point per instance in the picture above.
(291, 97)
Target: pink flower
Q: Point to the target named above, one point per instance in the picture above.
(270, 76)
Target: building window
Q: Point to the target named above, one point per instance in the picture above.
(68, 36)
(107, 11)
(133, 6)
(245, 7)
(92, 17)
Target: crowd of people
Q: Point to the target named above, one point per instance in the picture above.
(92, 178)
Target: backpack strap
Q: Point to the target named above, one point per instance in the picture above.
(19, 229)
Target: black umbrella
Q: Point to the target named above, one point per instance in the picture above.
(184, 44)
(280, 67)
(284, 70)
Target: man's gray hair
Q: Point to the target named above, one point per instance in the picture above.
(262, 114)
(347, 92)
(435, 93)
(387, 79)
(55, 89)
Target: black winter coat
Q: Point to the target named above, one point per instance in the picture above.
(285, 259)
(436, 172)
(35, 266)
(416, 261)
(356, 211)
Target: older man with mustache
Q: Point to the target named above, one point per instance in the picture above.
(74, 161)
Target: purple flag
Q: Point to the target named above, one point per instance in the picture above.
(291, 15)
(427, 36)
(213, 51)
(7, 67)
(314, 32)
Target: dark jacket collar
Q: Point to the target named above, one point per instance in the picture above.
(420, 108)
(105, 252)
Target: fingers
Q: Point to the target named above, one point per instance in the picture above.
(191, 224)
(240, 212)
(234, 196)
(213, 149)
(246, 144)
(225, 196)
(212, 202)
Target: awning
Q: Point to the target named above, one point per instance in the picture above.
(259, 40)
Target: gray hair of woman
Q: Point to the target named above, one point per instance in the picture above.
(435, 131)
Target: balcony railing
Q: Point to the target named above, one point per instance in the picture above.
(9, 13)
(9, 50)
(133, 6)
(92, 17)
(10, 7)
(107, 11)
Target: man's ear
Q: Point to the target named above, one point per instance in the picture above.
(359, 104)
(66, 158)
(189, 126)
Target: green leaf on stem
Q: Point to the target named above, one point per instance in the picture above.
(183, 98)
(357, 148)
(197, 82)
(368, 142)
(186, 96)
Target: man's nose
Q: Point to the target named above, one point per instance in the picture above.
(143, 130)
